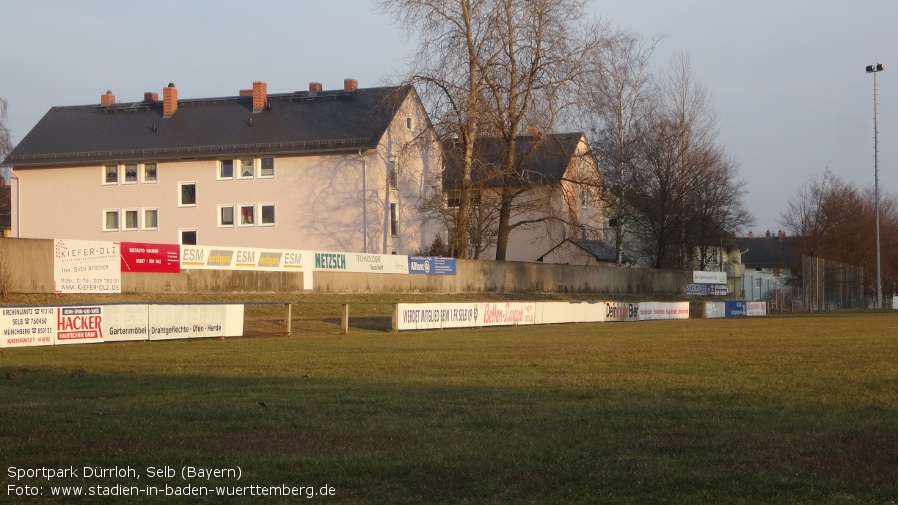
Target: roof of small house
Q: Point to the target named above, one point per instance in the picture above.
(600, 250)
(290, 123)
(542, 158)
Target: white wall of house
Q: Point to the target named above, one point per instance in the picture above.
(318, 200)
(563, 201)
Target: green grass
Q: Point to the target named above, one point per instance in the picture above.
(766, 410)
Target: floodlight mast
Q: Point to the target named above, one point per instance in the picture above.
(875, 69)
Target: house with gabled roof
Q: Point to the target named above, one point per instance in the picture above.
(557, 188)
(339, 170)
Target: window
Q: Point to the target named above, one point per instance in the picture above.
(584, 197)
(188, 237)
(110, 220)
(408, 123)
(130, 173)
(226, 169)
(267, 212)
(453, 199)
(267, 169)
(110, 174)
(130, 223)
(392, 176)
(150, 219)
(247, 215)
(225, 215)
(394, 219)
(246, 168)
(149, 173)
(187, 196)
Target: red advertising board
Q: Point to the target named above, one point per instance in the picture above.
(159, 258)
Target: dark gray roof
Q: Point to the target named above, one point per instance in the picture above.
(299, 122)
(770, 252)
(599, 249)
(542, 158)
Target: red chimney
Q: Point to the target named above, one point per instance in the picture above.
(108, 98)
(780, 236)
(350, 84)
(169, 100)
(315, 86)
(260, 96)
(246, 92)
(149, 96)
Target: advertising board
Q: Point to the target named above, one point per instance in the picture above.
(84, 266)
(195, 320)
(156, 258)
(653, 311)
(620, 311)
(431, 265)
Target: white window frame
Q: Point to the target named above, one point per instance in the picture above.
(238, 167)
(273, 171)
(395, 217)
(143, 174)
(181, 232)
(118, 219)
(238, 216)
(233, 216)
(143, 218)
(181, 194)
(261, 214)
(218, 174)
(124, 219)
(117, 174)
(123, 173)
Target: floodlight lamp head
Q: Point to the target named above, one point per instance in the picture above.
(879, 67)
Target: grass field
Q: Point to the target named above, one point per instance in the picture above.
(797, 409)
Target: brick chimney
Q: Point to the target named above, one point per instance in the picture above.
(108, 98)
(315, 87)
(780, 236)
(350, 84)
(149, 96)
(260, 96)
(169, 100)
(246, 92)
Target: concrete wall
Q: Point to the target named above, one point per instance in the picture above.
(30, 263)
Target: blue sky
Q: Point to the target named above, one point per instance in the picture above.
(786, 77)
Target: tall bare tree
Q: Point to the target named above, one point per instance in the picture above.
(456, 39)
(495, 68)
(685, 192)
(5, 133)
(615, 103)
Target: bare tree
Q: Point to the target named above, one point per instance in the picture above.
(685, 192)
(5, 133)
(615, 102)
(833, 219)
(495, 68)
(456, 39)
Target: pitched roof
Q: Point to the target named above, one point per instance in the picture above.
(542, 159)
(299, 122)
(770, 252)
(600, 250)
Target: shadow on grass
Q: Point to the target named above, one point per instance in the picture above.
(406, 442)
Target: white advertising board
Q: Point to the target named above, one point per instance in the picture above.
(755, 308)
(22, 326)
(195, 320)
(652, 311)
(27, 326)
(699, 277)
(620, 311)
(360, 263)
(83, 266)
(248, 258)
(714, 310)
(569, 312)
(425, 316)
